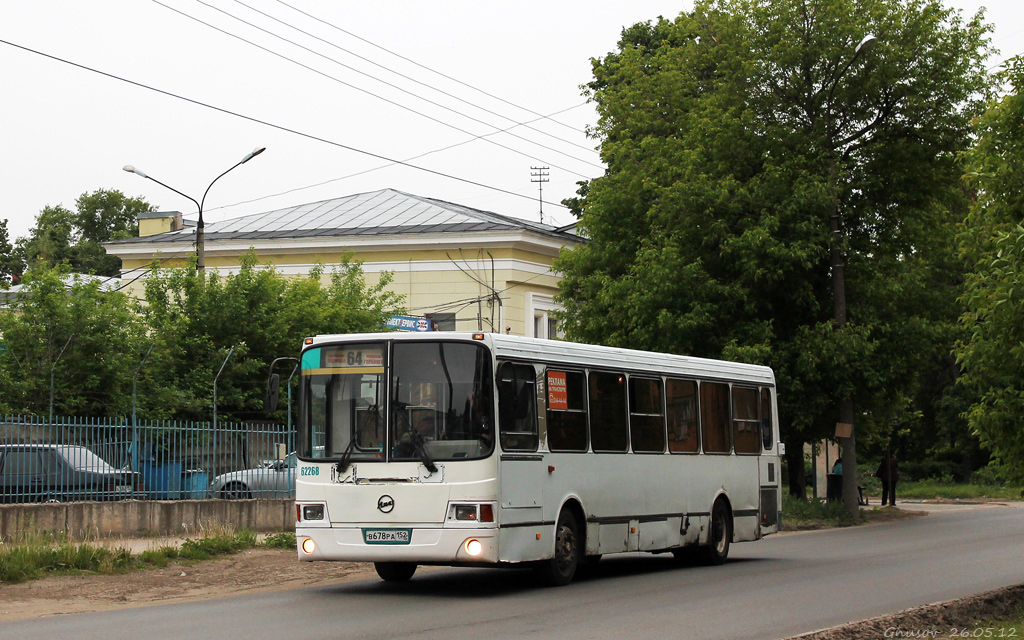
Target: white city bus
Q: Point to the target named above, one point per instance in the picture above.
(483, 449)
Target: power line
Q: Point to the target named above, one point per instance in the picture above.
(364, 171)
(411, 61)
(409, 78)
(271, 125)
(347, 84)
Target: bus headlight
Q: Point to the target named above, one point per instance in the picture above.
(476, 512)
(313, 512)
(308, 546)
(474, 547)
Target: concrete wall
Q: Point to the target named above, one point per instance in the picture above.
(130, 519)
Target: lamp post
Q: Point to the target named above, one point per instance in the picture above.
(844, 427)
(200, 225)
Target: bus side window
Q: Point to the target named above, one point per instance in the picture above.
(517, 407)
(714, 417)
(767, 437)
(567, 411)
(646, 416)
(608, 427)
(745, 421)
(683, 429)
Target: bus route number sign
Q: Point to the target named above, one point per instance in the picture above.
(348, 358)
(387, 536)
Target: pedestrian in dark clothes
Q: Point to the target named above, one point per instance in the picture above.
(889, 473)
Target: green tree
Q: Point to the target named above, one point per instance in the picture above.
(992, 246)
(733, 135)
(10, 265)
(61, 235)
(259, 313)
(50, 242)
(87, 337)
(102, 216)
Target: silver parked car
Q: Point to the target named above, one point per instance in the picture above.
(273, 480)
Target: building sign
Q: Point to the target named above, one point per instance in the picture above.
(409, 323)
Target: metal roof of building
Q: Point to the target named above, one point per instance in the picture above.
(384, 212)
(105, 284)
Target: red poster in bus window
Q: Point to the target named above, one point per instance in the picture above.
(558, 395)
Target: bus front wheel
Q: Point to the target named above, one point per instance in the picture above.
(395, 571)
(560, 569)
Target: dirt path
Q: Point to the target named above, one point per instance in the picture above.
(252, 571)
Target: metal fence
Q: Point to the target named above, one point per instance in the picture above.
(69, 459)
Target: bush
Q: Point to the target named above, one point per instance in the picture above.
(814, 511)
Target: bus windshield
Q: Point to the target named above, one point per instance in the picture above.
(438, 406)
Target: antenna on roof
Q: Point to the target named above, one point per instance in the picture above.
(542, 177)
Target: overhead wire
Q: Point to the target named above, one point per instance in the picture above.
(271, 125)
(422, 66)
(412, 79)
(360, 89)
(364, 171)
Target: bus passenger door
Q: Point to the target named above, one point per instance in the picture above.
(522, 468)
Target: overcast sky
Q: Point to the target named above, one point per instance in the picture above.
(302, 80)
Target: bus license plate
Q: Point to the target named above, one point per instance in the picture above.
(387, 536)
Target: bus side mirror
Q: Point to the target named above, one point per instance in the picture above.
(273, 392)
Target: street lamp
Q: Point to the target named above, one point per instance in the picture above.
(200, 226)
(844, 427)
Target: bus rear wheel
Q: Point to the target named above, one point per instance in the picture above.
(395, 571)
(560, 569)
(717, 549)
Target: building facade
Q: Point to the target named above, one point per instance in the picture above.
(463, 268)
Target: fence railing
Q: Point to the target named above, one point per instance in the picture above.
(73, 458)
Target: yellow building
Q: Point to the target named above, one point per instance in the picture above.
(463, 268)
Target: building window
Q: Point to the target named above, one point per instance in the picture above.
(539, 308)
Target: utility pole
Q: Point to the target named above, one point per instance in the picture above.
(845, 426)
(541, 176)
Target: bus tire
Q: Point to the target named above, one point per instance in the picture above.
(560, 569)
(717, 549)
(395, 571)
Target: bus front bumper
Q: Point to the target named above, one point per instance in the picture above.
(398, 543)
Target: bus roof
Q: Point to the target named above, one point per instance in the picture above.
(578, 354)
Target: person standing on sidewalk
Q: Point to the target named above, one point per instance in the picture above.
(889, 473)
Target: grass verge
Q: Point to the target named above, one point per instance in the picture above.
(813, 514)
(942, 490)
(36, 555)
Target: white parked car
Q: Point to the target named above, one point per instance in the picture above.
(274, 480)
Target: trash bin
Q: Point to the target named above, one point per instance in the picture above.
(194, 484)
(834, 487)
(163, 480)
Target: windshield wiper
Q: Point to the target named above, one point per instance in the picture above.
(346, 458)
(419, 446)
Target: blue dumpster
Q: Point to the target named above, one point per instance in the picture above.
(194, 484)
(163, 480)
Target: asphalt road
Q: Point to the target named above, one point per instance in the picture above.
(779, 587)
